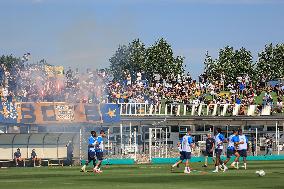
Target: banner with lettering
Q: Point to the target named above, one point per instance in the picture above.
(58, 112)
(54, 71)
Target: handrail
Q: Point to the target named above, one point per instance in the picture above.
(201, 109)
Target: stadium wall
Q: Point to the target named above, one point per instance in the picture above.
(201, 159)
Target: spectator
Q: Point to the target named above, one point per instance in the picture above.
(242, 87)
(40, 82)
(18, 157)
(34, 158)
(279, 105)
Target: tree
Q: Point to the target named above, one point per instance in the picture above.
(128, 59)
(160, 60)
(9, 61)
(119, 62)
(230, 64)
(137, 57)
(243, 62)
(157, 59)
(270, 62)
(210, 68)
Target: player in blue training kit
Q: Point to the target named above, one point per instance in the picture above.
(91, 151)
(186, 148)
(243, 147)
(219, 139)
(99, 151)
(232, 149)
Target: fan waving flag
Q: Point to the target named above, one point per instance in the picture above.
(110, 113)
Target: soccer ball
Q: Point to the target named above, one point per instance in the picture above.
(260, 173)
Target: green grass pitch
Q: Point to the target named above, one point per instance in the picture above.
(144, 176)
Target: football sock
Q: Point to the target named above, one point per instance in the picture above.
(205, 163)
(174, 165)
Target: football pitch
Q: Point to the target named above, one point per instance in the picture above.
(144, 176)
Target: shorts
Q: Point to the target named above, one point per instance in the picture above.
(91, 156)
(230, 153)
(185, 155)
(208, 153)
(243, 153)
(100, 155)
(218, 152)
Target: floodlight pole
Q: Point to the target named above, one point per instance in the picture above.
(155, 137)
(150, 144)
(256, 141)
(80, 145)
(276, 135)
(227, 127)
(130, 136)
(108, 141)
(166, 142)
(121, 139)
(278, 148)
(160, 142)
(135, 145)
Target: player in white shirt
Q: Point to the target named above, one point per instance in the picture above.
(99, 148)
(243, 147)
(186, 148)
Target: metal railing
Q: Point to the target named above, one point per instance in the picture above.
(143, 109)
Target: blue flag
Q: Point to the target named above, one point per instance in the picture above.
(110, 113)
(8, 112)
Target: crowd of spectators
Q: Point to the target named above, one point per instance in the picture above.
(183, 89)
(33, 83)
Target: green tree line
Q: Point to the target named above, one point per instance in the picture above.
(159, 59)
(230, 63)
(156, 59)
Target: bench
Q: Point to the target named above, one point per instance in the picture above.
(28, 162)
(11, 163)
(55, 162)
(6, 163)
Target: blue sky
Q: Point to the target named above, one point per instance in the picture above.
(85, 33)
